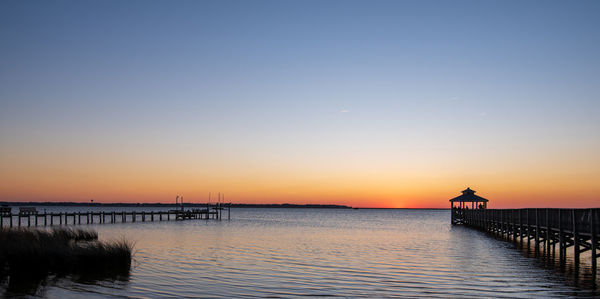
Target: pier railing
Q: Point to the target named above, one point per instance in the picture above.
(546, 228)
(31, 217)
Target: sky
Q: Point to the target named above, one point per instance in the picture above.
(396, 104)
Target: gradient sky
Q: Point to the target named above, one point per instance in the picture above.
(363, 103)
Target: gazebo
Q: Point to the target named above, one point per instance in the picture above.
(468, 195)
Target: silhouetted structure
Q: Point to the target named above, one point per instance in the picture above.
(460, 203)
(210, 211)
(576, 228)
(546, 228)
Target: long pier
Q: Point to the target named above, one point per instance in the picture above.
(544, 229)
(28, 217)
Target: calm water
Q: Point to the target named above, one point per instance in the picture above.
(320, 252)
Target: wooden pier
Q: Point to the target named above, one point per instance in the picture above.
(29, 216)
(578, 229)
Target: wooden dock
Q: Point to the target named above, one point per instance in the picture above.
(29, 216)
(578, 229)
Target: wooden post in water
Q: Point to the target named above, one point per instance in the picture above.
(528, 230)
(548, 239)
(521, 226)
(576, 249)
(537, 230)
(514, 225)
(501, 224)
(561, 237)
(593, 241)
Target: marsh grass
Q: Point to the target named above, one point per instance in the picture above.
(31, 255)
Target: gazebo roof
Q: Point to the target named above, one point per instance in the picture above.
(468, 195)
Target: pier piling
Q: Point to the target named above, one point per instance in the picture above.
(550, 228)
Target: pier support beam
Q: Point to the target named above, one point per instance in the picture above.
(593, 240)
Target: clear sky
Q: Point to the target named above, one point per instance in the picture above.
(363, 103)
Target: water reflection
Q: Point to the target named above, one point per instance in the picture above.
(34, 283)
(31, 259)
(344, 253)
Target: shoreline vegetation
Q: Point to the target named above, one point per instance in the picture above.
(28, 257)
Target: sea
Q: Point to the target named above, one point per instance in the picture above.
(300, 253)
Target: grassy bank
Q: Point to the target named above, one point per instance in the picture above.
(32, 254)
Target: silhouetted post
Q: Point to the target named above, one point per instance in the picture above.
(537, 230)
(561, 238)
(229, 211)
(576, 249)
(528, 230)
(593, 241)
(501, 224)
(521, 226)
(548, 234)
(133, 216)
(514, 225)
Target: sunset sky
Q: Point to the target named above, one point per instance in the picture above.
(362, 103)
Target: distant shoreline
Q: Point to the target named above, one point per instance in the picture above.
(191, 204)
(233, 205)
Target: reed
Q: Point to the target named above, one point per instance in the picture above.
(28, 253)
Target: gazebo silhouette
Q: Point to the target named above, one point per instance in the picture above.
(468, 196)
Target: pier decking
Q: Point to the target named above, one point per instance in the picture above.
(31, 217)
(545, 228)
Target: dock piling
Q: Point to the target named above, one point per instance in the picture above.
(552, 227)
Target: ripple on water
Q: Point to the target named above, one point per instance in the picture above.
(345, 253)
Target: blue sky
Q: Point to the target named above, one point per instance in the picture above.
(274, 80)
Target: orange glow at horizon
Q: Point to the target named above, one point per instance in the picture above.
(360, 178)
(373, 188)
